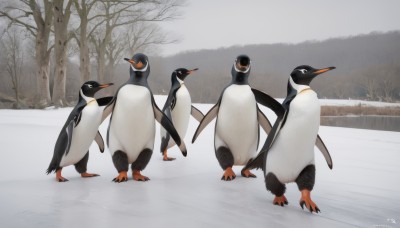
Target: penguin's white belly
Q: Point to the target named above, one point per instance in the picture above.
(293, 148)
(181, 113)
(132, 127)
(83, 134)
(237, 124)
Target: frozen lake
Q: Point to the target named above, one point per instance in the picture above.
(362, 190)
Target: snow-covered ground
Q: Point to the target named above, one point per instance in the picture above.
(341, 102)
(362, 190)
(334, 102)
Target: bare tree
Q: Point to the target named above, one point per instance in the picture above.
(368, 81)
(61, 36)
(143, 35)
(127, 13)
(84, 32)
(139, 37)
(14, 51)
(21, 13)
(388, 89)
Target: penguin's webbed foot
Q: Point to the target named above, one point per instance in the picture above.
(84, 175)
(60, 178)
(306, 200)
(280, 201)
(166, 158)
(228, 174)
(122, 177)
(246, 173)
(139, 177)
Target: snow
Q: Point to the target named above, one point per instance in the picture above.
(362, 190)
(335, 102)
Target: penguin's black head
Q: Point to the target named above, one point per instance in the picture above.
(89, 88)
(303, 75)
(242, 64)
(241, 70)
(181, 73)
(139, 63)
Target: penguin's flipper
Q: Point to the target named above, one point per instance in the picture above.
(171, 101)
(165, 136)
(206, 120)
(100, 142)
(108, 109)
(62, 146)
(321, 146)
(260, 160)
(263, 121)
(197, 114)
(268, 101)
(70, 130)
(169, 104)
(104, 101)
(256, 163)
(169, 127)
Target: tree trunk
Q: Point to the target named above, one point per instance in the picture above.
(84, 67)
(60, 78)
(16, 89)
(61, 20)
(43, 72)
(101, 61)
(42, 52)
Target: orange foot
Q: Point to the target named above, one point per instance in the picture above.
(89, 175)
(60, 178)
(247, 173)
(228, 174)
(122, 177)
(166, 158)
(280, 200)
(139, 177)
(306, 200)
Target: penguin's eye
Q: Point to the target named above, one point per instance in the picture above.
(303, 71)
(179, 72)
(90, 86)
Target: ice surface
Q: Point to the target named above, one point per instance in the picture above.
(362, 190)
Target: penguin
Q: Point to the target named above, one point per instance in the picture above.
(131, 132)
(238, 119)
(288, 153)
(178, 107)
(78, 132)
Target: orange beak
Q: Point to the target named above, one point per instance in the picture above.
(323, 70)
(191, 71)
(129, 60)
(106, 85)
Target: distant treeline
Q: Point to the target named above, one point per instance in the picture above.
(367, 68)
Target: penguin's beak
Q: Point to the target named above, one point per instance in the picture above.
(106, 85)
(136, 65)
(191, 71)
(320, 71)
(130, 60)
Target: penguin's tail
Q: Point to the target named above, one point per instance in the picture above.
(50, 170)
(52, 167)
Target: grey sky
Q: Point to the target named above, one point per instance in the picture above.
(221, 23)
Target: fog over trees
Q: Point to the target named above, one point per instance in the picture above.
(367, 68)
(49, 48)
(60, 31)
